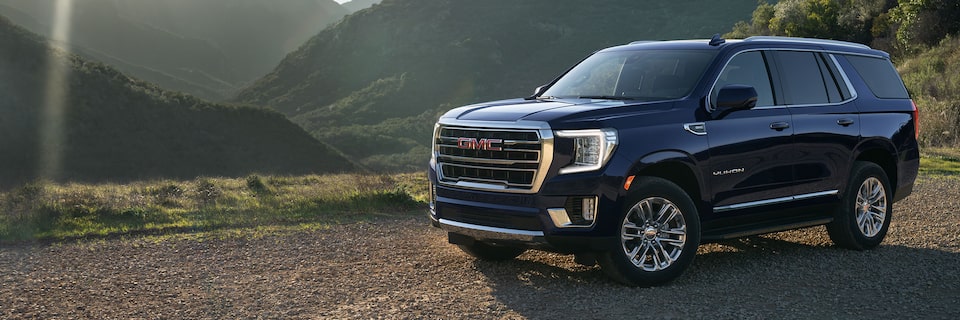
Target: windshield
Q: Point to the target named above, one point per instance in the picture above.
(643, 75)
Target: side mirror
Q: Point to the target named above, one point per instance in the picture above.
(736, 97)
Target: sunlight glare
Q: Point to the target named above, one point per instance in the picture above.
(55, 93)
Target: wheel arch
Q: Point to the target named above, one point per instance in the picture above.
(677, 167)
(882, 154)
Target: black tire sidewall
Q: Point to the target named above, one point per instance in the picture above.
(615, 262)
(846, 217)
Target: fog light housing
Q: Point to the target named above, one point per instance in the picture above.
(576, 212)
(589, 208)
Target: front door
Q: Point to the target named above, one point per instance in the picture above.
(751, 152)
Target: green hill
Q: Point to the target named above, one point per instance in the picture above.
(208, 48)
(373, 84)
(112, 127)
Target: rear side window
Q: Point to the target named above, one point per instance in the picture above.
(803, 82)
(880, 76)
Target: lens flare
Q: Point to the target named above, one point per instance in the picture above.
(55, 94)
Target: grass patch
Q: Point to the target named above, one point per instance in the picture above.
(45, 210)
(940, 161)
(250, 205)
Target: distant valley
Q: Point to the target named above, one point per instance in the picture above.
(208, 48)
(373, 84)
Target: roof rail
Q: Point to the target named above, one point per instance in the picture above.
(808, 40)
(643, 41)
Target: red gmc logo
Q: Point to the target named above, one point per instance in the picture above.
(482, 144)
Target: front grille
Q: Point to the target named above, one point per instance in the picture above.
(512, 163)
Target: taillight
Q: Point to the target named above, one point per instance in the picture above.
(916, 120)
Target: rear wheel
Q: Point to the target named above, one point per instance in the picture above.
(659, 235)
(488, 252)
(862, 220)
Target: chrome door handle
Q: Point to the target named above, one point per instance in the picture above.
(779, 126)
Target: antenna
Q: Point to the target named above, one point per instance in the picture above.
(717, 40)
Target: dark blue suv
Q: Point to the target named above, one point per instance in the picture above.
(641, 152)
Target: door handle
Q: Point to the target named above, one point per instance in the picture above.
(779, 126)
(845, 122)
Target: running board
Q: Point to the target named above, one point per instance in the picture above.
(756, 229)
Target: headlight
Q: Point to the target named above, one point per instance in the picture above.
(435, 148)
(591, 148)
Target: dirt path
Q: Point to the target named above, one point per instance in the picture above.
(401, 268)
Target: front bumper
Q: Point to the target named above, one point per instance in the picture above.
(523, 219)
(494, 234)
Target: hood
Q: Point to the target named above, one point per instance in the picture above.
(520, 109)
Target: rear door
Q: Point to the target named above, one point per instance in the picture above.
(826, 121)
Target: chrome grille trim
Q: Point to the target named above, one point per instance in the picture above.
(519, 167)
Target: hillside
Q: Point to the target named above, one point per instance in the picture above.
(208, 48)
(357, 5)
(933, 79)
(372, 85)
(66, 118)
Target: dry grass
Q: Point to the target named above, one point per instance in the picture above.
(56, 211)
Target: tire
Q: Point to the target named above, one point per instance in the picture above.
(659, 230)
(863, 217)
(488, 252)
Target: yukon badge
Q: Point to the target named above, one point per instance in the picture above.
(729, 171)
(481, 144)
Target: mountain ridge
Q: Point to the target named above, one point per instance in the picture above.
(116, 128)
(207, 48)
(451, 53)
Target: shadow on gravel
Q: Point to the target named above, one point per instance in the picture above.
(757, 277)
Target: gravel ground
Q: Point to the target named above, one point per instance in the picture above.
(401, 268)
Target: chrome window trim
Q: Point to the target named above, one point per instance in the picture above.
(752, 204)
(843, 73)
(546, 152)
(853, 93)
(480, 232)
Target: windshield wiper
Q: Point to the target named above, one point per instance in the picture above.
(607, 97)
(540, 98)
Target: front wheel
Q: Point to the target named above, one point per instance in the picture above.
(862, 220)
(659, 235)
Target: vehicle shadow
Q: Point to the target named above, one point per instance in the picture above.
(756, 277)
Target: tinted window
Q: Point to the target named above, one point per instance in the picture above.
(880, 76)
(645, 74)
(837, 76)
(802, 80)
(750, 69)
(833, 91)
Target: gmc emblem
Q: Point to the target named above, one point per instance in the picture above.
(482, 144)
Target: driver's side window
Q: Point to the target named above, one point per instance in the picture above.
(749, 69)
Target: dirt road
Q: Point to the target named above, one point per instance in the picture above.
(401, 268)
